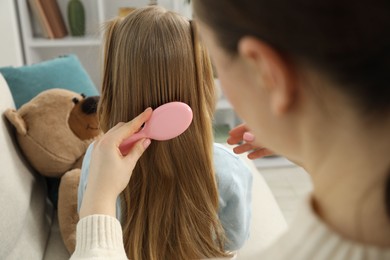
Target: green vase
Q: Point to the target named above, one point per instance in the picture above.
(76, 18)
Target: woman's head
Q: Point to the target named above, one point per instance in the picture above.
(280, 60)
(152, 57)
(346, 44)
(346, 40)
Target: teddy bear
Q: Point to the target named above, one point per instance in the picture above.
(54, 130)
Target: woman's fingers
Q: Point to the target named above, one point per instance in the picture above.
(258, 153)
(116, 127)
(136, 151)
(236, 134)
(246, 147)
(254, 151)
(124, 130)
(248, 137)
(234, 140)
(238, 131)
(240, 135)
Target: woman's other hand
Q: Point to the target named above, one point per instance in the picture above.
(110, 171)
(240, 135)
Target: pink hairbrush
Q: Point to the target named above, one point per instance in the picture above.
(166, 122)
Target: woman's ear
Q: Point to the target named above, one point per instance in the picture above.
(277, 75)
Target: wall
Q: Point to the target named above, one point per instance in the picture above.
(10, 43)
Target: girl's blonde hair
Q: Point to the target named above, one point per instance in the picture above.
(169, 208)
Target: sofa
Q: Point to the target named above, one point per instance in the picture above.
(29, 226)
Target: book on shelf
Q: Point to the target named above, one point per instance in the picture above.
(49, 17)
(38, 14)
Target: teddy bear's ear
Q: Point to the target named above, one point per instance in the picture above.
(16, 120)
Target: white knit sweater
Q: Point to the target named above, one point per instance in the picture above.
(307, 238)
(100, 237)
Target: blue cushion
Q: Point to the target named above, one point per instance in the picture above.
(64, 72)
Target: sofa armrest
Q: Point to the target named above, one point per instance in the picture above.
(26, 214)
(55, 249)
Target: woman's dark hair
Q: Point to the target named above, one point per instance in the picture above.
(347, 40)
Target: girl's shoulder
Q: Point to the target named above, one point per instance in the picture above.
(230, 170)
(222, 150)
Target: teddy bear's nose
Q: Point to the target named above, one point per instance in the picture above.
(89, 105)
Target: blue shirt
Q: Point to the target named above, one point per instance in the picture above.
(235, 194)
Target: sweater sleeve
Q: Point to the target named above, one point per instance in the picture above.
(99, 237)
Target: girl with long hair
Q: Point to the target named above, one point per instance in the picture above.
(187, 198)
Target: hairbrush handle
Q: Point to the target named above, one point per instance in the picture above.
(126, 145)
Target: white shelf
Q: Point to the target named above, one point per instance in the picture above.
(68, 41)
(36, 48)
